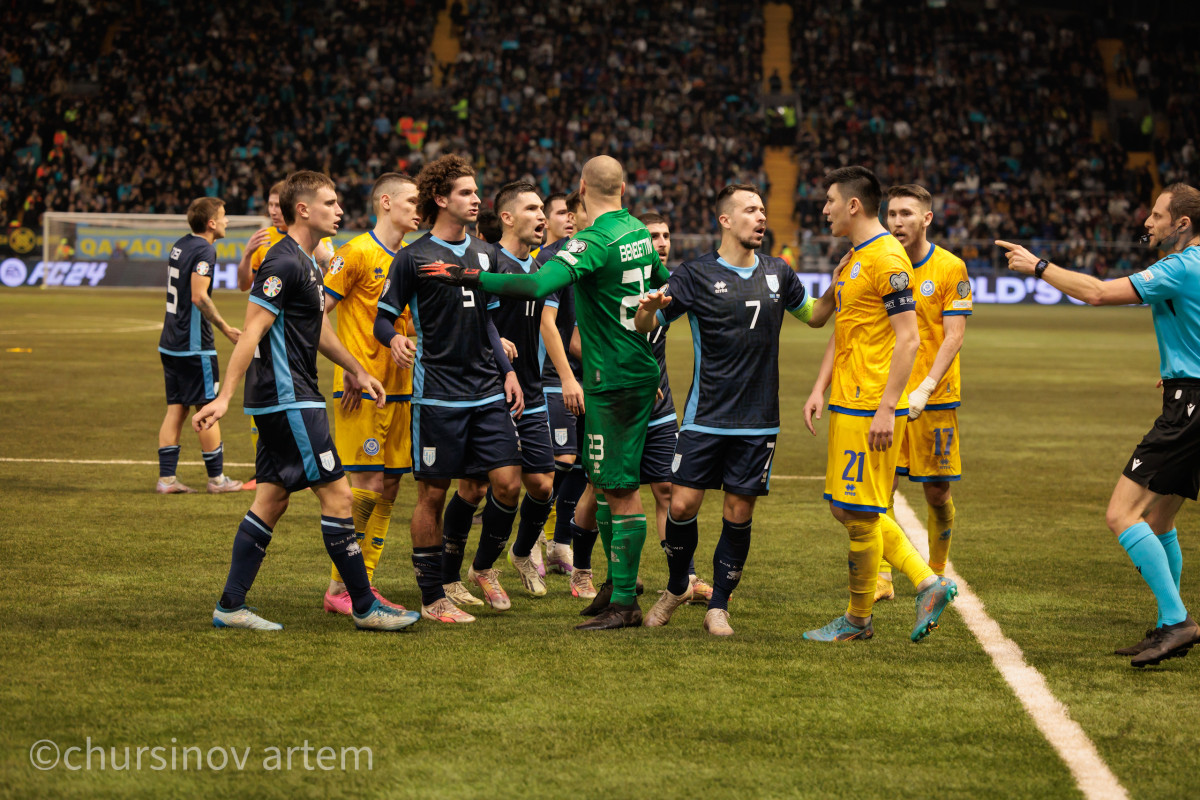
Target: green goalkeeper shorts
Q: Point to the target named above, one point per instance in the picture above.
(614, 428)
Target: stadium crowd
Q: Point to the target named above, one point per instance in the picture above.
(105, 113)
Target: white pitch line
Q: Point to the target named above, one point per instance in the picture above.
(111, 461)
(1092, 775)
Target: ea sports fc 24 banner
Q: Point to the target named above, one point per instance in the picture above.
(14, 272)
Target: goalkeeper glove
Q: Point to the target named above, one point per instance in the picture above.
(451, 274)
(919, 396)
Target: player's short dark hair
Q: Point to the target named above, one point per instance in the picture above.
(436, 179)
(488, 226)
(574, 201)
(1185, 202)
(729, 191)
(653, 218)
(915, 191)
(386, 184)
(857, 182)
(201, 211)
(298, 187)
(510, 191)
(555, 196)
(276, 189)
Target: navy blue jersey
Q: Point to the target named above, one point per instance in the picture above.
(735, 315)
(185, 330)
(283, 372)
(563, 301)
(520, 322)
(664, 409)
(455, 365)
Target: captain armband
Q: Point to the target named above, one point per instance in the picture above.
(805, 311)
(899, 302)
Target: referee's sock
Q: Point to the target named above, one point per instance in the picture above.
(533, 518)
(680, 547)
(249, 547)
(1147, 554)
(497, 527)
(1170, 545)
(456, 526)
(342, 545)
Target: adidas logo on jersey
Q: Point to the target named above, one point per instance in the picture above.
(1136, 463)
(720, 288)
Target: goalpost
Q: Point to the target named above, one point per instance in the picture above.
(71, 237)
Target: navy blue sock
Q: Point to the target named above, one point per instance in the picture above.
(680, 546)
(456, 526)
(168, 461)
(568, 495)
(692, 565)
(214, 461)
(427, 565)
(497, 527)
(249, 547)
(533, 519)
(728, 561)
(585, 541)
(346, 554)
(561, 470)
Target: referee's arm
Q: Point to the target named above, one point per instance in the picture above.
(1091, 290)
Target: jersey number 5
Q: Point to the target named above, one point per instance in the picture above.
(172, 292)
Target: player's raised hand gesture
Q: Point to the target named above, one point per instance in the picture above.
(1019, 259)
(452, 274)
(206, 417)
(403, 351)
(645, 319)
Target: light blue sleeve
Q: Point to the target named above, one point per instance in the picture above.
(1162, 280)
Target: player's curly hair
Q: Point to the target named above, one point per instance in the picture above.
(436, 180)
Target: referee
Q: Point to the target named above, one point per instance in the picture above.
(1165, 466)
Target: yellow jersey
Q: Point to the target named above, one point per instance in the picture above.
(877, 283)
(356, 277)
(942, 290)
(274, 236)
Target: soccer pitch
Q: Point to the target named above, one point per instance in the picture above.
(108, 638)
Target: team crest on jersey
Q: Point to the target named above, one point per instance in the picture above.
(560, 436)
(676, 461)
(371, 446)
(899, 281)
(964, 288)
(484, 262)
(202, 268)
(854, 270)
(773, 283)
(927, 288)
(336, 265)
(428, 456)
(272, 286)
(327, 460)
(575, 246)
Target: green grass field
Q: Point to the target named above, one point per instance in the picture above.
(110, 590)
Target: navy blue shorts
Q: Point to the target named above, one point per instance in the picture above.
(537, 453)
(295, 449)
(737, 464)
(191, 380)
(463, 442)
(564, 427)
(659, 451)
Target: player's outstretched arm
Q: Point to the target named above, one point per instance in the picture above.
(534, 286)
(908, 339)
(646, 318)
(816, 398)
(955, 328)
(1091, 290)
(258, 322)
(823, 307)
(332, 348)
(246, 266)
(572, 391)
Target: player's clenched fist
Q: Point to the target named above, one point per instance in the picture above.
(403, 352)
(452, 274)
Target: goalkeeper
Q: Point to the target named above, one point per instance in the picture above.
(613, 264)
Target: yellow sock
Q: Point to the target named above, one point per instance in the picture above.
(899, 550)
(360, 508)
(941, 528)
(377, 529)
(865, 546)
(551, 521)
(884, 566)
(254, 437)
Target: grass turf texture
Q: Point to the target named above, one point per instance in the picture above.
(111, 588)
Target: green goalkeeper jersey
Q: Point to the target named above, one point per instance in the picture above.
(613, 265)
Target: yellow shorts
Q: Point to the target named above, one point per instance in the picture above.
(930, 451)
(371, 439)
(856, 477)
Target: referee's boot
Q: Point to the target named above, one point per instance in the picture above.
(614, 616)
(1172, 641)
